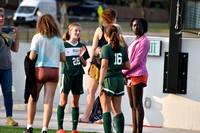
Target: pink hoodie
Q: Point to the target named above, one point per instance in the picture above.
(138, 58)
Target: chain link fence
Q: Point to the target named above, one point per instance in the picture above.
(191, 14)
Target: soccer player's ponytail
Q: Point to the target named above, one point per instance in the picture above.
(66, 36)
(112, 32)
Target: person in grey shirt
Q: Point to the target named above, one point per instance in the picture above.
(7, 44)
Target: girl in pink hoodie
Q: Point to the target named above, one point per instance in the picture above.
(136, 77)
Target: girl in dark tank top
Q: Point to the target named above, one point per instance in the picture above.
(101, 43)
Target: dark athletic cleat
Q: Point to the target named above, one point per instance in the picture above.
(30, 130)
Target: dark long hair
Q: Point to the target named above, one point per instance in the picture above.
(112, 32)
(66, 36)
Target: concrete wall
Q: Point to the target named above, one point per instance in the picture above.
(179, 111)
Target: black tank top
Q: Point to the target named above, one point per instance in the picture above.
(101, 43)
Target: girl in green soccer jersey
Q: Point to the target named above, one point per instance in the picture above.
(72, 75)
(111, 83)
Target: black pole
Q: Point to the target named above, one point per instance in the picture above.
(174, 47)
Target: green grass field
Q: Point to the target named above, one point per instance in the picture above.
(6, 129)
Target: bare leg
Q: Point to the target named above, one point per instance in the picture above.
(137, 107)
(31, 109)
(92, 88)
(132, 109)
(105, 102)
(63, 99)
(116, 104)
(75, 101)
(49, 92)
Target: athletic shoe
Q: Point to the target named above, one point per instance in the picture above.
(30, 130)
(11, 122)
(61, 131)
(43, 131)
(75, 131)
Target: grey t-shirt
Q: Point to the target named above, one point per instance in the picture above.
(5, 54)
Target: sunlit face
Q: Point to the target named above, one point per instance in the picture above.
(137, 27)
(75, 32)
(2, 19)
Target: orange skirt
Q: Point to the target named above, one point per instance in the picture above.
(137, 80)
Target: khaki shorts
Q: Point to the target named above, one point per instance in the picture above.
(94, 72)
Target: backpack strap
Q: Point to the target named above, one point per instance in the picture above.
(5, 41)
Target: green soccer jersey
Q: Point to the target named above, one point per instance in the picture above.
(73, 66)
(115, 60)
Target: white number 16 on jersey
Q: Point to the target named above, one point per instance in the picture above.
(118, 59)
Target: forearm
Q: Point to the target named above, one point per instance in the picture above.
(94, 44)
(131, 67)
(83, 61)
(15, 46)
(91, 55)
(62, 57)
(32, 55)
(126, 65)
